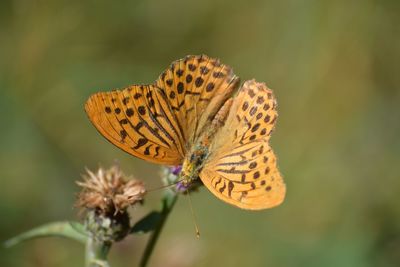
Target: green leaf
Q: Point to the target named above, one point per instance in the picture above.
(147, 223)
(72, 230)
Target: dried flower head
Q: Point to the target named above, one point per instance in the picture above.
(109, 190)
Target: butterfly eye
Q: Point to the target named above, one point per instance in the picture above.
(192, 157)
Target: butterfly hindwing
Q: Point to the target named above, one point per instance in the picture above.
(242, 168)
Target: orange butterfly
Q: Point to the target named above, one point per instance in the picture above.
(188, 117)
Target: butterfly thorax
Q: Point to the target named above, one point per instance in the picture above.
(194, 162)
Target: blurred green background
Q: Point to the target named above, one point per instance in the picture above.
(333, 65)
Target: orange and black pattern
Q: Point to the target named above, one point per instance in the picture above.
(161, 123)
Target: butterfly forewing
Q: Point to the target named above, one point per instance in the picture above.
(242, 168)
(196, 87)
(139, 121)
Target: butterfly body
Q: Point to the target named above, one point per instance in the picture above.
(191, 117)
(194, 162)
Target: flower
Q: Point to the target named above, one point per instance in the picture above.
(182, 187)
(175, 170)
(109, 191)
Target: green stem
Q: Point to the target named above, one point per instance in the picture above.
(96, 253)
(168, 203)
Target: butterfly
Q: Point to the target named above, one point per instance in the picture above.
(197, 115)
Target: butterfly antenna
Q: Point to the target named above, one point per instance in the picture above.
(193, 215)
(164, 186)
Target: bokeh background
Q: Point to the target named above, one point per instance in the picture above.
(333, 65)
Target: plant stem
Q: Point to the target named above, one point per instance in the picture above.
(96, 253)
(168, 203)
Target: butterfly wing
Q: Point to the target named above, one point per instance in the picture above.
(242, 168)
(196, 87)
(140, 121)
(156, 122)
